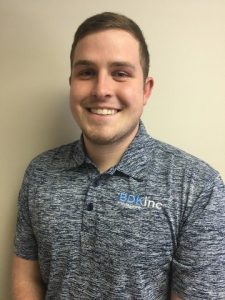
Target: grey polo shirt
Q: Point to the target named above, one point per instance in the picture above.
(154, 222)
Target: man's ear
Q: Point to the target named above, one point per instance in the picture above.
(148, 86)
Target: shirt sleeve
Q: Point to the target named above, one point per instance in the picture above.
(25, 244)
(199, 263)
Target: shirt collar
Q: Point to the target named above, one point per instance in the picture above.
(79, 153)
(134, 161)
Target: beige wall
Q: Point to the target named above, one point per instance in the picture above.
(187, 109)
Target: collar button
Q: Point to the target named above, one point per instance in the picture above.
(90, 206)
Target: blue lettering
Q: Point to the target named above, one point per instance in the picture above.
(131, 199)
(123, 197)
(139, 201)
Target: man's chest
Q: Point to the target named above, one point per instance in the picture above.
(105, 214)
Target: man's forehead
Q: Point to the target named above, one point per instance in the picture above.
(111, 42)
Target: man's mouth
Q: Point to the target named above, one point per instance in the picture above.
(103, 111)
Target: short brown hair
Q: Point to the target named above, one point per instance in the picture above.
(109, 20)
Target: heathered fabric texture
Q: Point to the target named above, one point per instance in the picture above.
(155, 221)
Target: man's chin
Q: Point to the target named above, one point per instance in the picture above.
(100, 140)
(110, 135)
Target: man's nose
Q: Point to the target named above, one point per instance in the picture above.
(102, 86)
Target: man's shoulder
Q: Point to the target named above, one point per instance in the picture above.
(178, 161)
(56, 158)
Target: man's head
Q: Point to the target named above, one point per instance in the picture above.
(109, 20)
(108, 87)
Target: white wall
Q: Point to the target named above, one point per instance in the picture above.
(187, 108)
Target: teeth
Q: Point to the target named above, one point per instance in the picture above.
(103, 111)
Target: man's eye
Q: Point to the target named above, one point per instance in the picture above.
(86, 73)
(120, 74)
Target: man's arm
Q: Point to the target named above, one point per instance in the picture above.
(26, 280)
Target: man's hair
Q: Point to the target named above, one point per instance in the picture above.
(109, 20)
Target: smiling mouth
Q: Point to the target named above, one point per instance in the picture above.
(103, 111)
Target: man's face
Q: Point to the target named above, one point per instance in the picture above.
(107, 89)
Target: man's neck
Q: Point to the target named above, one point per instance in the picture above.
(106, 156)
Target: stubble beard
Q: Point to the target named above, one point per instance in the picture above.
(97, 139)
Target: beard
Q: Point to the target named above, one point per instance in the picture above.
(108, 137)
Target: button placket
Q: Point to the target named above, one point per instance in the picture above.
(90, 214)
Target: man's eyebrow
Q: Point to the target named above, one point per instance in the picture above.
(122, 64)
(84, 62)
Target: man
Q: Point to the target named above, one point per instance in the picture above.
(117, 214)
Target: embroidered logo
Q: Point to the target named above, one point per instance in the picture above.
(139, 201)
